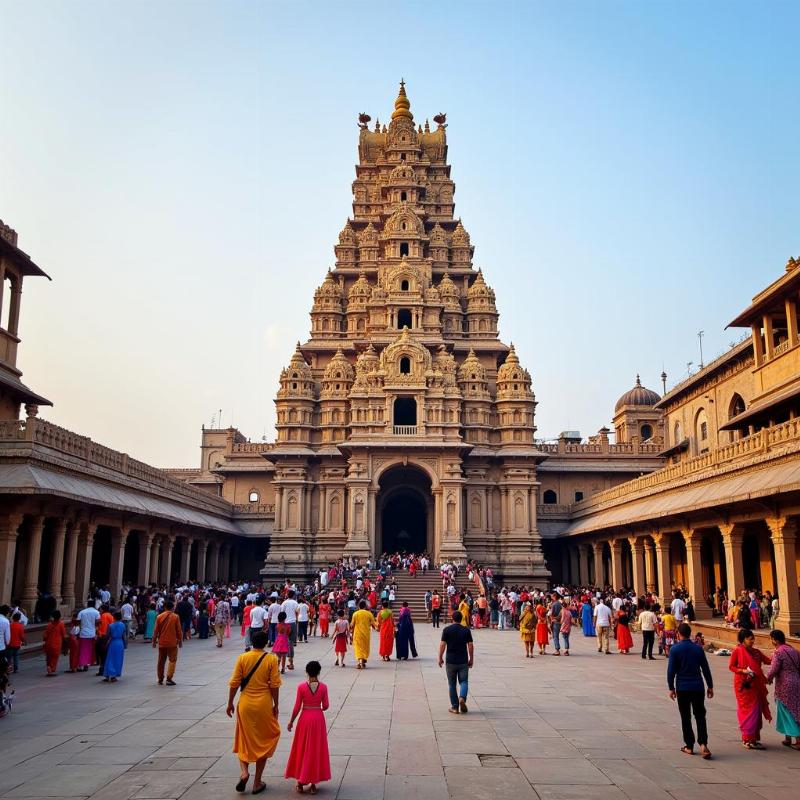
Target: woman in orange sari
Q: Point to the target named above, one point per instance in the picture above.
(53, 639)
(324, 618)
(386, 628)
(750, 688)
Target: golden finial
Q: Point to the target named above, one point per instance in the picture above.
(402, 104)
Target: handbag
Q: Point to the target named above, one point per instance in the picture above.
(246, 679)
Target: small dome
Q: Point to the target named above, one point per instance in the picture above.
(638, 396)
(438, 236)
(347, 236)
(480, 290)
(339, 369)
(360, 291)
(460, 236)
(471, 369)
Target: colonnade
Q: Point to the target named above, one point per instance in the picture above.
(62, 553)
(735, 556)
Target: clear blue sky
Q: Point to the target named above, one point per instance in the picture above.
(628, 172)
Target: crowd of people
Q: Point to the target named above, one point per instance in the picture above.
(349, 600)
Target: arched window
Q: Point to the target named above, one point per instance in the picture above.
(646, 432)
(549, 498)
(405, 365)
(403, 286)
(578, 497)
(404, 318)
(736, 407)
(701, 431)
(678, 433)
(403, 246)
(253, 497)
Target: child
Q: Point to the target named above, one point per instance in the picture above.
(670, 626)
(340, 631)
(281, 646)
(309, 761)
(16, 640)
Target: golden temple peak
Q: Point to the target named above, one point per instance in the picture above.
(402, 105)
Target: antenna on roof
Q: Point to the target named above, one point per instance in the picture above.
(689, 367)
(700, 335)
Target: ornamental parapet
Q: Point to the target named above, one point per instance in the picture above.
(266, 510)
(764, 445)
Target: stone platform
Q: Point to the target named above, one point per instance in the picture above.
(588, 726)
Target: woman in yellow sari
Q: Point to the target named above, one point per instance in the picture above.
(361, 625)
(527, 629)
(257, 726)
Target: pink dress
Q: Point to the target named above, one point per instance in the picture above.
(309, 761)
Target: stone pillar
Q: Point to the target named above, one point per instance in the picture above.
(202, 550)
(57, 560)
(224, 566)
(167, 546)
(70, 564)
(639, 572)
(574, 566)
(663, 573)
(119, 537)
(597, 550)
(145, 552)
(650, 566)
(784, 540)
(155, 550)
(732, 536)
(694, 572)
(617, 578)
(9, 531)
(583, 565)
(31, 583)
(213, 568)
(84, 562)
(186, 552)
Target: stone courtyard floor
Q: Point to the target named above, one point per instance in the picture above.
(588, 726)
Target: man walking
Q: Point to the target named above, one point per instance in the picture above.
(647, 624)
(602, 623)
(686, 669)
(289, 607)
(457, 642)
(436, 609)
(167, 637)
(554, 615)
(222, 616)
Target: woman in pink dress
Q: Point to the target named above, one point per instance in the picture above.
(309, 761)
(341, 630)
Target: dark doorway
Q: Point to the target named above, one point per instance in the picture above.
(404, 319)
(405, 524)
(405, 411)
(405, 504)
(752, 562)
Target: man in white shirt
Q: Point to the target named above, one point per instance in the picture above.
(257, 616)
(616, 603)
(678, 607)
(234, 602)
(274, 609)
(5, 628)
(88, 619)
(602, 623)
(289, 607)
(302, 621)
(126, 609)
(647, 624)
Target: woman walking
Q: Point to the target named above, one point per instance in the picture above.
(386, 628)
(324, 618)
(256, 677)
(405, 634)
(785, 671)
(750, 688)
(53, 640)
(361, 625)
(281, 647)
(542, 629)
(566, 626)
(527, 629)
(624, 638)
(340, 629)
(587, 620)
(117, 642)
(309, 761)
(150, 622)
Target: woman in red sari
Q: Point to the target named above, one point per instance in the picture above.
(750, 688)
(542, 629)
(624, 638)
(386, 628)
(53, 639)
(324, 618)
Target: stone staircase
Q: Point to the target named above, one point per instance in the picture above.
(413, 591)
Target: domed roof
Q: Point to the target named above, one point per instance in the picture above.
(638, 396)
(460, 236)
(329, 288)
(339, 368)
(511, 369)
(347, 236)
(480, 289)
(360, 290)
(448, 290)
(471, 369)
(438, 236)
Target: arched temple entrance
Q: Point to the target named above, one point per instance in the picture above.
(405, 511)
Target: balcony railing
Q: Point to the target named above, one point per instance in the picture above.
(766, 443)
(405, 430)
(258, 509)
(600, 448)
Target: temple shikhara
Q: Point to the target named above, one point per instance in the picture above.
(405, 423)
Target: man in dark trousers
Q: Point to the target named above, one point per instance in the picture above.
(457, 641)
(686, 669)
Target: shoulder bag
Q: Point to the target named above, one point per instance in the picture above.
(246, 679)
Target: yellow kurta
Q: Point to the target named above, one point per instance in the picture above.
(463, 607)
(362, 623)
(257, 729)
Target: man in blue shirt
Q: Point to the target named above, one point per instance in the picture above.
(686, 669)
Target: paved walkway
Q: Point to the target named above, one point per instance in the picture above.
(589, 726)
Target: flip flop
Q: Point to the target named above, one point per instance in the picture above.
(242, 785)
(687, 751)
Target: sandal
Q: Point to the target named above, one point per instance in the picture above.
(298, 787)
(313, 789)
(687, 750)
(242, 785)
(705, 753)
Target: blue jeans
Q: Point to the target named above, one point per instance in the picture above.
(461, 673)
(555, 629)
